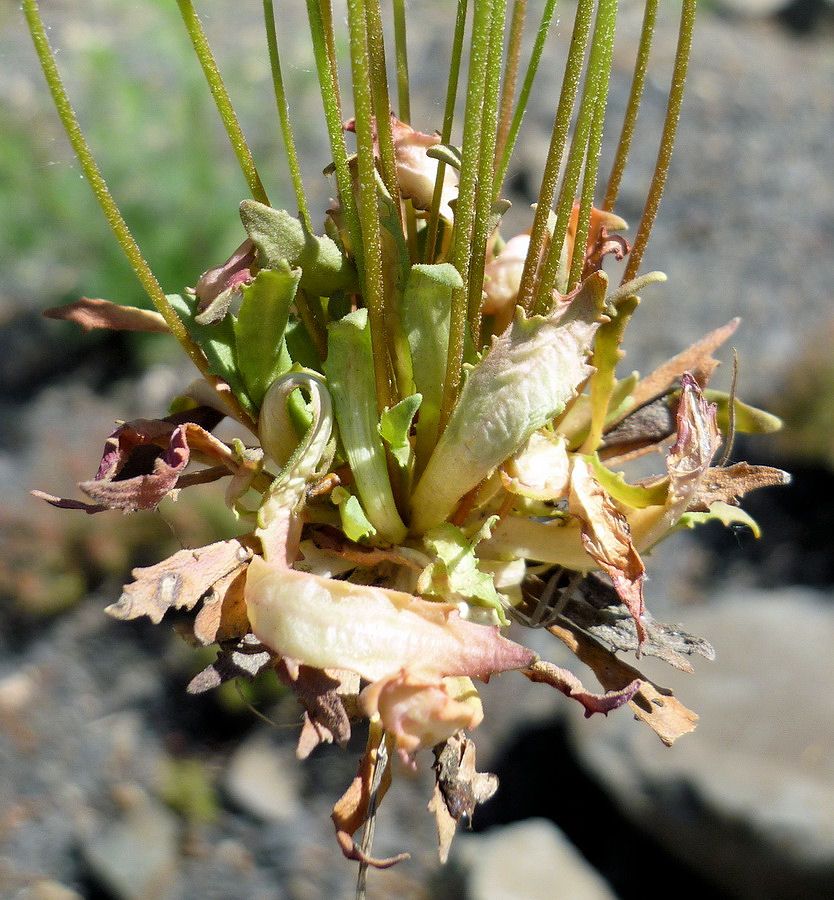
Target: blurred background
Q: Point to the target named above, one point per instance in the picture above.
(116, 784)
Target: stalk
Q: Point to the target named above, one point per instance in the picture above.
(372, 281)
(667, 140)
(510, 76)
(324, 52)
(521, 106)
(222, 100)
(558, 138)
(596, 70)
(635, 95)
(284, 115)
(111, 210)
(607, 23)
(486, 173)
(465, 209)
(446, 133)
(401, 53)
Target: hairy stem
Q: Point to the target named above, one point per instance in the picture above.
(222, 100)
(558, 139)
(284, 115)
(110, 209)
(667, 140)
(510, 76)
(635, 95)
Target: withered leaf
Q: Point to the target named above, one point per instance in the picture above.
(93, 313)
(321, 693)
(458, 788)
(566, 682)
(606, 537)
(352, 809)
(727, 485)
(179, 581)
(656, 706)
(222, 616)
(695, 359)
(246, 657)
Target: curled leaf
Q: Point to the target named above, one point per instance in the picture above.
(566, 682)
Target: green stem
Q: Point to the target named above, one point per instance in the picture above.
(284, 115)
(510, 76)
(381, 100)
(667, 140)
(222, 100)
(465, 208)
(373, 284)
(606, 24)
(635, 95)
(446, 133)
(108, 205)
(558, 138)
(595, 72)
(323, 50)
(401, 52)
(486, 174)
(523, 97)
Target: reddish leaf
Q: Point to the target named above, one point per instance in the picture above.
(571, 686)
(90, 314)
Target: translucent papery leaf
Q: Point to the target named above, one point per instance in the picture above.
(350, 377)
(259, 328)
(281, 239)
(687, 462)
(425, 319)
(373, 631)
(541, 470)
(524, 381)
(607, 539)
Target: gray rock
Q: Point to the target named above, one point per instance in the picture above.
(262, 779)
(529, 860)
(136, 855)
(749, 797)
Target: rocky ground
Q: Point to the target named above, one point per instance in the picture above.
(116, 784)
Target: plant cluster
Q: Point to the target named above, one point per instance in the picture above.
(432, 423)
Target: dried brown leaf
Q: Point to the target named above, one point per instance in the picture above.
(90, 314)
(695, 359)
(246, 657)
(654, 705)
(458, 789)
(179, 581)
(321, 692)
(606, 537)
(727, 485)
(222, 617)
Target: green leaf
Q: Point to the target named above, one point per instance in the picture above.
(259, 328)
(355, 523)
(748, 419)
(634, 495)
(425, 317)
(300, 346)
(349, 368)
(523, 382)
(279, 237)
(721, 512)
(446, 153)
(456, 576)
(395, 425)
(217, 341)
